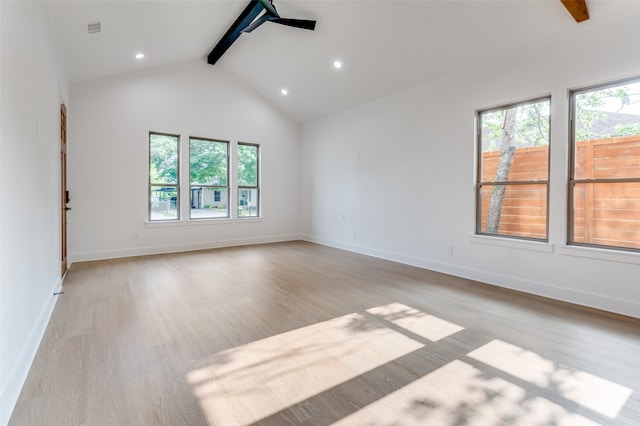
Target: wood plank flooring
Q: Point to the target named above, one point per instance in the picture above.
(298, 333)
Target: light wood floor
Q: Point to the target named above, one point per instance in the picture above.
(297, 333)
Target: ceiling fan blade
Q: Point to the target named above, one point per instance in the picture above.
(270, 8)
(297, 23)
(256, 13)
(255, 24)
(248, 15)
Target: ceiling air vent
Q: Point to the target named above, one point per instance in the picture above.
(94, 28)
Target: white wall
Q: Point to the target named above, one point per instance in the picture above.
(33, 86)
(394, 178)
(108, 159)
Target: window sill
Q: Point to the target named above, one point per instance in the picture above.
(249, 219)
(164, 224)
(512, 243)
(610, 255)
(201, 222)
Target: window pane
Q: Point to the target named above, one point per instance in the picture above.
(514, 210)
(163, 159)
(515, 143)
(607, 214)
(247, 202)
(163, 203)
(247, 165)
(608, 112)
(527, 164)
(208, 162)
(607, 133)
(209, 202)
(608, 158)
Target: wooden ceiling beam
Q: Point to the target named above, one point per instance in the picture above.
(577, 9)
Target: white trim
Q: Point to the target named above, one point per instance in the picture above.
(164, 224)
(175, 248)
(600, 254)
(540, 246)
(18, 376)
(249, 219)
(201, 222)
(210, 221)
(592, 300)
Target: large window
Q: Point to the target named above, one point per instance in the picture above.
(164, 187)
(208, 178)
(604, 187)
(513, 170)
(248, 180)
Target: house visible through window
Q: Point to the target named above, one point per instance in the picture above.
(604, 187)
(248, 180)
(164, 188)
(208, 178)
(513, 170)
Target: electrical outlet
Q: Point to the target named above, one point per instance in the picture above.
(450, 250)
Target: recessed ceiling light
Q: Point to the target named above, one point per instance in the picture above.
(337, 64)
(139, 55)
(285, 92)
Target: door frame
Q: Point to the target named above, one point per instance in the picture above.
(64, 194)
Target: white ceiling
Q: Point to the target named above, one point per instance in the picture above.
(386, 46)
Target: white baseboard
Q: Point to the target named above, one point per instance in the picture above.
(175, 248)
(597, 301)
(12, 390)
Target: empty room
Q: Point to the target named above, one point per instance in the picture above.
(274, 212)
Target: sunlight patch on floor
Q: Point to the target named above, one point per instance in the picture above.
(250, 382)
(459, 393)
(417, 322)
(590, 391)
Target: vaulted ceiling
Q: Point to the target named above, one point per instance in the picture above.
(385, 46)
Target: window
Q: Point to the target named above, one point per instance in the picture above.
(208, 178)
(604, 185)
(164, 188)
(513, 170)
(248, 180)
